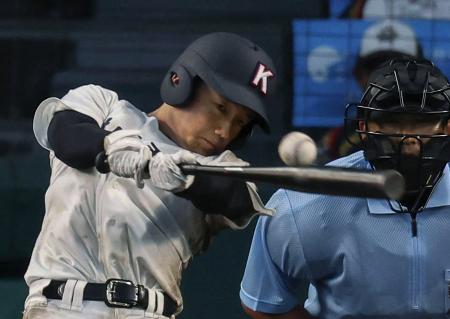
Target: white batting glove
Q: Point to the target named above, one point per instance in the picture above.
(227, 158)
(127, 155)
(166, 174)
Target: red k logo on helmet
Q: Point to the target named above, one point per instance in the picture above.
(260, 77)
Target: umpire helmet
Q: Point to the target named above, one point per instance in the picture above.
(235, 67)
(414, 89)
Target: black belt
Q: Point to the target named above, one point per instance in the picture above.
(116, 293)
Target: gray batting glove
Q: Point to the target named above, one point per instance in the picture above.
(166, 174)
(127, 155)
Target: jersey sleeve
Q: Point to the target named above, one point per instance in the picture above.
(276, 264)
(91, 100)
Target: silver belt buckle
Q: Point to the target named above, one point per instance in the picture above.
(111, 286)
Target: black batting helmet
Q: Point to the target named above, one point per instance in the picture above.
(235, 67)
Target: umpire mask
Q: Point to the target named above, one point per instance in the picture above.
(402, 124)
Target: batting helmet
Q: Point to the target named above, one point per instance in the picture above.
(235, 67)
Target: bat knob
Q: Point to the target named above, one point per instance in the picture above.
(101, 163)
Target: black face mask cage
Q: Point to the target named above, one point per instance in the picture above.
(394, 92)
(388, 151)
(400, 87)
(379, 145)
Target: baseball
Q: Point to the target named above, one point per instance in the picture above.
(296, 149)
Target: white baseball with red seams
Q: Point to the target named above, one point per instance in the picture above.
(296, 149)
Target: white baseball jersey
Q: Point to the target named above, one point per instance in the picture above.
(100, 226)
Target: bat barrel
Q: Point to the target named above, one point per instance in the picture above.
(327, 180)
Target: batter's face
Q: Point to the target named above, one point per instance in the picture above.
(210, 122)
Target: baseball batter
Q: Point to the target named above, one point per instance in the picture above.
(114, 245)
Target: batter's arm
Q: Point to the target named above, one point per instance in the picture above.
(297, 313)
(219, 195)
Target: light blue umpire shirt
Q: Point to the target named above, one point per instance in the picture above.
(360, 255)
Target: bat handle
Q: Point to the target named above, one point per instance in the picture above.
(188, 168)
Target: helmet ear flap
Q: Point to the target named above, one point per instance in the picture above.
(177, 86)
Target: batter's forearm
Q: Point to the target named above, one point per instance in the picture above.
(219, 195)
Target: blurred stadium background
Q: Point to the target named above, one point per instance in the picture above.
(50, 46)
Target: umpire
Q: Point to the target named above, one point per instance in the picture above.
(367, 258)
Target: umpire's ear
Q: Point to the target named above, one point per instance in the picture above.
(363, 128)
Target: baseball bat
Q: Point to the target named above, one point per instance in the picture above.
(387, 184)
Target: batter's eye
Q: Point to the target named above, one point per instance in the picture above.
(221, 108)
(241, 123)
